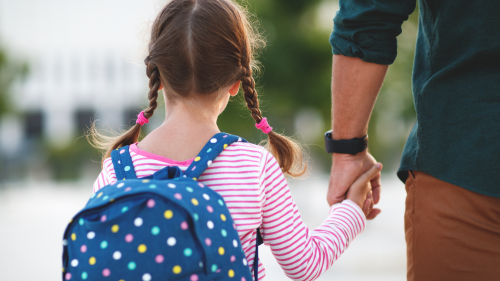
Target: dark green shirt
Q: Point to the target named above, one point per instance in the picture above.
(456, 81)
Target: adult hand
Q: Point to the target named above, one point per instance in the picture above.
(346, 169)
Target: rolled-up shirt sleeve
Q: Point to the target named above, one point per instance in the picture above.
(367, 29)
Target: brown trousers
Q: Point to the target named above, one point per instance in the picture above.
(451, 233)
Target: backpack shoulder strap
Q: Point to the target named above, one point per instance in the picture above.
(209, 152)
(256, 257)
(122, 163)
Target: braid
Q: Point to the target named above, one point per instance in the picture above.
(131, 136)
(248, 84)
(287, 152)
(202, 60)
(154, 85)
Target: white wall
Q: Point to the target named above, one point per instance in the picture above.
(83, 54)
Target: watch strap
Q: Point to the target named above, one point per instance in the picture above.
(352, 146)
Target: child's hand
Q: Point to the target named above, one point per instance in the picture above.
(360, 191)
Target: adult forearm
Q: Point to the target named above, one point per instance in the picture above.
(355, 86)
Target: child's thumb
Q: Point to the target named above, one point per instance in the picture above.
(368, 175)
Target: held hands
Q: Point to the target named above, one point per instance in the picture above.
(360, 191)
(346, 169)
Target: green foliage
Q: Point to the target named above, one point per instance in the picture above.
(67, 163)
(9, 71)
(297, 74)
(296, 68)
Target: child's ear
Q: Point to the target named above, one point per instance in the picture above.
(161, 86)
(233, 91)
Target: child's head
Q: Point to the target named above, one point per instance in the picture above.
(200, 47)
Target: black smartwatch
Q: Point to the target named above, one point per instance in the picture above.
(352, 146)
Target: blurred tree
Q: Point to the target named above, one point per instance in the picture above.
(297, 75)
(66, 163)
(10, 70)
(296, 71)
(72, 162)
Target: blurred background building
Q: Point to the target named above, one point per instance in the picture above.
(65, 63)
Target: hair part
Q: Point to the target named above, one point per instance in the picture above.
(198, 47)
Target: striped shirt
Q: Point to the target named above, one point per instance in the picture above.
(257, 195)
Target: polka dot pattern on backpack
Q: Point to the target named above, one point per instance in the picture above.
(151, 229)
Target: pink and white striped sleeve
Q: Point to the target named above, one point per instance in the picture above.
(106, 176)
(304, 254)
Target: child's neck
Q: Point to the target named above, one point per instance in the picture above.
(187, 128)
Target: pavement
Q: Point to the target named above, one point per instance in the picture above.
(33, 216)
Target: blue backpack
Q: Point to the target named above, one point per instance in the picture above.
(166, 226)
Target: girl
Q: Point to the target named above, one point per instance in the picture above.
(199, 54)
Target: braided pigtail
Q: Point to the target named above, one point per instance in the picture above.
(109, 143)
(287, 152)
(154, 86)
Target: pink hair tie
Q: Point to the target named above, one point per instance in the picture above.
(264, 126)
(141, 119)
